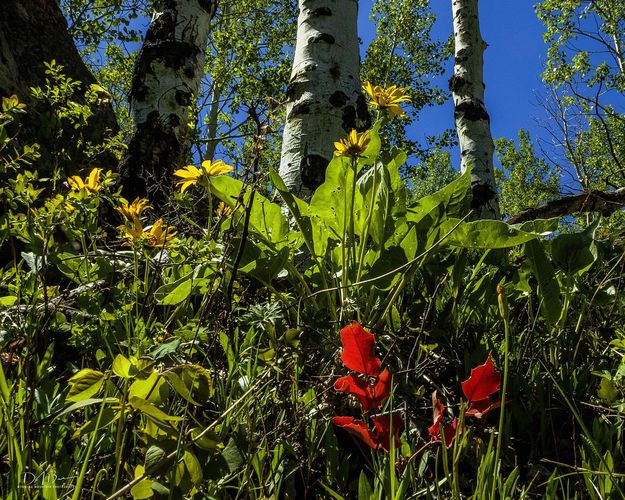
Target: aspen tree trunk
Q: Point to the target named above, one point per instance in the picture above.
(166, 78)
(324, 97)
(472, 120)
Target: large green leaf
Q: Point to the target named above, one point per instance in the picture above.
(574, 253)
(266, 218)
(454, 200)
(484, 234)
(333, 200)
(299, 209)
(548, 286)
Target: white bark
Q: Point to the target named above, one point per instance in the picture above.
(165, 82)
(324, 98)
(472, 120)
(169, 84)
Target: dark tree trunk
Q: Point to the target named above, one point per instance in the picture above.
(33, 32)
(165, 82)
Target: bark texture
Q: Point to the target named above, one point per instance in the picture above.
(472, 119)
(324, 97)
(33, 32)
(166, 78)
(605, 203)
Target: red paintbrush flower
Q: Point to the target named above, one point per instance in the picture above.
(478, 409)
(435, 429)
(357, 428)
(358, 350)
(483, 382)
(370, 395)
(383, 430)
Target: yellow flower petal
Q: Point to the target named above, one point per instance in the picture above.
(217, 167)
(353, 146)
(388, 99)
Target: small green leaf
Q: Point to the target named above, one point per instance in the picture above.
(364, 488)
(175, 293)
(607, 390)
(143, 489)
(209, 441)
(85, 384)
(154, 456)
(122, 367)
(152, 411)
(192, 464)
(8, 301)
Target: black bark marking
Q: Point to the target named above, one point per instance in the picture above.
(456, 83)
(471, 110)
(321, 11)
(322, 37)
(208, 5)
(338, 99)
(301, 108)
(482, 195)
(291, 91)
(313, 171)
(335, 72)
(145, 169)
(184, 98)
(349, 118)
(462, 56)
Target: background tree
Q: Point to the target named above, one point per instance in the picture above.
(525, 178)
(585, 101)
(33, 33)
(405, 53)
(248, 64)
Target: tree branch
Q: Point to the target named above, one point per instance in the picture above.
(603, 202)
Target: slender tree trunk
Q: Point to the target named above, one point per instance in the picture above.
(472, 120)
(165, 82)
(324, 97)
(211, 133)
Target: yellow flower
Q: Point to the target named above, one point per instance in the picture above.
(191, 174)
(224, 210)
(133, 210)
(217, 167)
(388, 98)
(158, 235)
(353, 146)
(91, 183)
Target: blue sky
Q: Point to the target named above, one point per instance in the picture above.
(512, 65)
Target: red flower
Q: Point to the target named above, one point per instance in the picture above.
(483, 382)
(383, 430)
(480, 408)
(370, 395)
(435, 429)
(357, 428)
(358, 347)
(380, 437)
